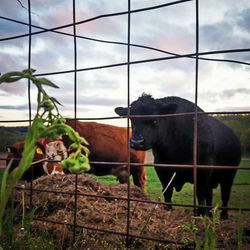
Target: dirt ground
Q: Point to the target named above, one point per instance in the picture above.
(109, 213)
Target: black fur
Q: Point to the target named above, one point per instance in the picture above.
(172, 138)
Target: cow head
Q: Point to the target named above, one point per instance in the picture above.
(15, 152)
(56, 151)
(146, 130)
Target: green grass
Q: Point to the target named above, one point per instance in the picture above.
(240, 194)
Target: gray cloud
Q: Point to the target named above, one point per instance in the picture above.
(98, 82)
(233, 108)
(14, 10)
(169, 28)
(225, 34)
(17, 107)
(227, 93)
(215, 35)
(244, 20)
(98, 101)
(9, 29)
(19, 88)
(213, 96)
(13, 58)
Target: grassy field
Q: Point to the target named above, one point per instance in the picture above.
(240, 195)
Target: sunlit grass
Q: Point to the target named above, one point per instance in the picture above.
(240, 194)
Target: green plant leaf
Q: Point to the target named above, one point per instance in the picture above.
(47, 123)
(29, 71)
(86, 150)
(55, 100)
(4, 183)
(47, 82)
(12, 76)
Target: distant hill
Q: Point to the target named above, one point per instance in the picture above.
(10, 135)
(239, 123)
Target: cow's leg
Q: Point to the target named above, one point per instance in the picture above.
(168, 195)
(209, 196)
(225, 195)
(201, 194)
(139, 176)
(122, 176)
(226, 185)
(203, 191)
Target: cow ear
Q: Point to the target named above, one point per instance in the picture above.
(121, 111)
(168, 108)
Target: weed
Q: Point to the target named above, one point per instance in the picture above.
(46, 123)
(207, 240)
(239, 231)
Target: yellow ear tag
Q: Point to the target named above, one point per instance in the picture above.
(39, 151)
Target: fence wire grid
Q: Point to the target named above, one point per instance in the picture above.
(196, 55)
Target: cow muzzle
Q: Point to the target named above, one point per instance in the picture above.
(137, 144)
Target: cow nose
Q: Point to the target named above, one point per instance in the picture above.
(137, 143)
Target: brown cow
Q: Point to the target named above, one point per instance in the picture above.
(108, 143)
(44, 149)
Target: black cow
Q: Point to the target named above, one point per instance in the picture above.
(171, 139)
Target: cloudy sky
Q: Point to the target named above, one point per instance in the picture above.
(224, 25)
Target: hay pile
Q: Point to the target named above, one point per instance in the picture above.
(110, 213)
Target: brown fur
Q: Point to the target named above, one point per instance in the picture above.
(108, 143)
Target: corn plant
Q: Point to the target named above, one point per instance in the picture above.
(47, 123)
(192, 229)
(209, 225)
(239, 231)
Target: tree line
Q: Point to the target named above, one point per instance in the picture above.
(239, 123)
(241, 126)
(10, 135)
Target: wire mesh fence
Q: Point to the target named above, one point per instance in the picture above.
(196, 55)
